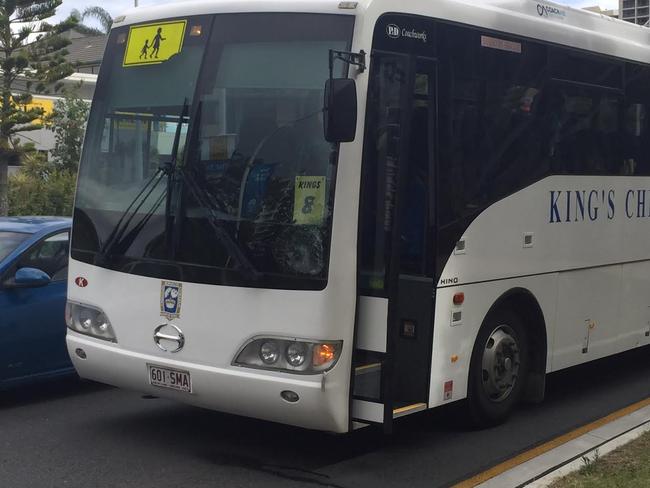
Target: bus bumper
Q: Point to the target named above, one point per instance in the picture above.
(234, 390)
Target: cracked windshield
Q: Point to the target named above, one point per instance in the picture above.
(205, 158)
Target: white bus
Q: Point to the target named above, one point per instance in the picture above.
(333, 213)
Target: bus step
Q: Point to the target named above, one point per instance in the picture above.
(367, 369)
(373, 412)
(408, 410)
(365, 411)
(367, 381)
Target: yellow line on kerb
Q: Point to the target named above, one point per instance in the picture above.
(552, 444)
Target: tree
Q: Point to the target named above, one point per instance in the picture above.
(99, 14)
(68, 122)
(45, 187)
(41, 188)
(34, 51)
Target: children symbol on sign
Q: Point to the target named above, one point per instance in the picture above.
(155, 45)
(145, 49)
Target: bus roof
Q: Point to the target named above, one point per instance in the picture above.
(544, 21)
(203, 7)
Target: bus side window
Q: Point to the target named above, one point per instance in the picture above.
(415, 218)
(585, 131)
(381, 162)
(491, 141)
(636, 137)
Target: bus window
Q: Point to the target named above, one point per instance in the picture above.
(381, 162)
(573, 66)
(636, 139)
(491, 119)
(415, 219)
(584, 131)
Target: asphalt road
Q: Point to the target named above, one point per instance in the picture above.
(76, 434)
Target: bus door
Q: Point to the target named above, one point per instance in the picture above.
(396, 241)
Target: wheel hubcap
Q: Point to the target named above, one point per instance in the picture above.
(500, 365)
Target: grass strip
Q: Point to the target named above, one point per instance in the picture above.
(625, 467)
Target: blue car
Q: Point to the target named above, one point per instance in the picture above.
(33, 273)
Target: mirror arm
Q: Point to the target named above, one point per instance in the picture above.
(355, 59)
(10, 284)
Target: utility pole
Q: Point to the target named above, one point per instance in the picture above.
(135, 3)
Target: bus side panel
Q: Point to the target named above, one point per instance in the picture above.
(454, 339)
(589, 324)
(635, 303)
(589, 233)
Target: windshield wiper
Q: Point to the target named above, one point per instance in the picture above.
(131, 211)
(224, 237)
(117, 234)
(170, 171)
(203, 200)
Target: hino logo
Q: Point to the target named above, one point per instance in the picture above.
(449, 281)
(169, 338)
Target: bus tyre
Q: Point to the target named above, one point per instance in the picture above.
(498, 369)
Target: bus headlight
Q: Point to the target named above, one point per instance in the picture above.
(89, 320)
(269, 352)
(296, 354)
(290, 355)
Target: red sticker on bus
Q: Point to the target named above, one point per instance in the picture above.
(81, 282)
(448, 390)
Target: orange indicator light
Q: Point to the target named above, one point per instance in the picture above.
(323, 354)
(454, 358)
(196, 30)
(459, 298)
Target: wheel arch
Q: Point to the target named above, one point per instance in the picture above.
(525, 305)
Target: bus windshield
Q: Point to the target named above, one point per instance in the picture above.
(205, 159)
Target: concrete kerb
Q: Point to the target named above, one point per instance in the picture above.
(542, 470)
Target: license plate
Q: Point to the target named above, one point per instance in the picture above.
(173, 379)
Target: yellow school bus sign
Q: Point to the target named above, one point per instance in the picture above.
(154, 43)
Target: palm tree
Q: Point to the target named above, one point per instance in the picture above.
(102, 16)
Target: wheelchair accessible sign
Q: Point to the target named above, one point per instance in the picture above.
(154, 43)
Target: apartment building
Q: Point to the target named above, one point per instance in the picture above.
(637, 11)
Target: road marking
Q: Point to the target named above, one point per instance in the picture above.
(547, 446)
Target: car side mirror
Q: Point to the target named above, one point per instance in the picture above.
(340, 114)
(30, 278)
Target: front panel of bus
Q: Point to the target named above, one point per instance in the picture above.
(202, 227)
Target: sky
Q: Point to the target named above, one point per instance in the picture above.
(116, 7)
(606, 4)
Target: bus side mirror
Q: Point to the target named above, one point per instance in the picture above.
(340, 114)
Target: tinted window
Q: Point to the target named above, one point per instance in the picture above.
(510, 112)
(415, 237)
(382, 159)
(49, 255)
(583, 131)
(492, 117)
(566, 64)
(10, 241)
(636, 133)
(513, 111)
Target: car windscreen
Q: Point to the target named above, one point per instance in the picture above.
(9, 241)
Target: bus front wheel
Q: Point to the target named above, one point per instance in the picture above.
(498, 369)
